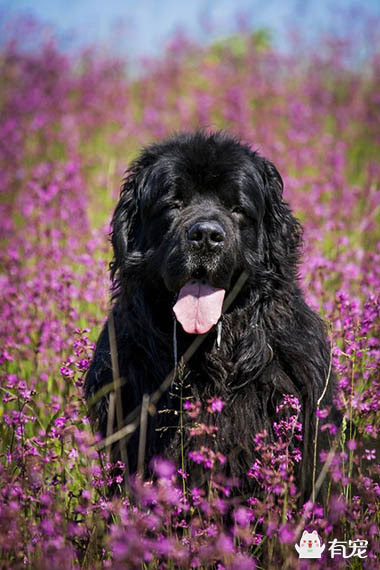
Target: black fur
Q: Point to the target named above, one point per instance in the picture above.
(272, 342)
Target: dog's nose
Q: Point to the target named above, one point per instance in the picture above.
(208, 235)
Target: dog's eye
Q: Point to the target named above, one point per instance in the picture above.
(165, 208)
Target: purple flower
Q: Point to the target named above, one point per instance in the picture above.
(215, 405)
(286, 534)
(243, 516)
(370, 454)
(322, 413)
(163, 468)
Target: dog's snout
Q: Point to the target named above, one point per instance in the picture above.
(208, 235)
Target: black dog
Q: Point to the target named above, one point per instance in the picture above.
(195, 213)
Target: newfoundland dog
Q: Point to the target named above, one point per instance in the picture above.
(201, 215)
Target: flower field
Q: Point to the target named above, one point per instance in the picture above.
(69, 126)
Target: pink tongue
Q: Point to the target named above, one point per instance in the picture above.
(199, 306)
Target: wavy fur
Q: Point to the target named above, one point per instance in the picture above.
(272, 342)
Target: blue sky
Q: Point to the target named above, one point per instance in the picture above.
(137, 28)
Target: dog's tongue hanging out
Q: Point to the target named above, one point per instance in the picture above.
(199, 306)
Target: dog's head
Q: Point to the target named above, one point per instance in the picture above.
(194, 212)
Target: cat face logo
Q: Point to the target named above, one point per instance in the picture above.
(310, 545)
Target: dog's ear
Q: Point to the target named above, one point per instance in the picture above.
(283, 232)
(125, 220)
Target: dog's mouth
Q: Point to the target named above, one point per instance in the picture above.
(199, 305)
